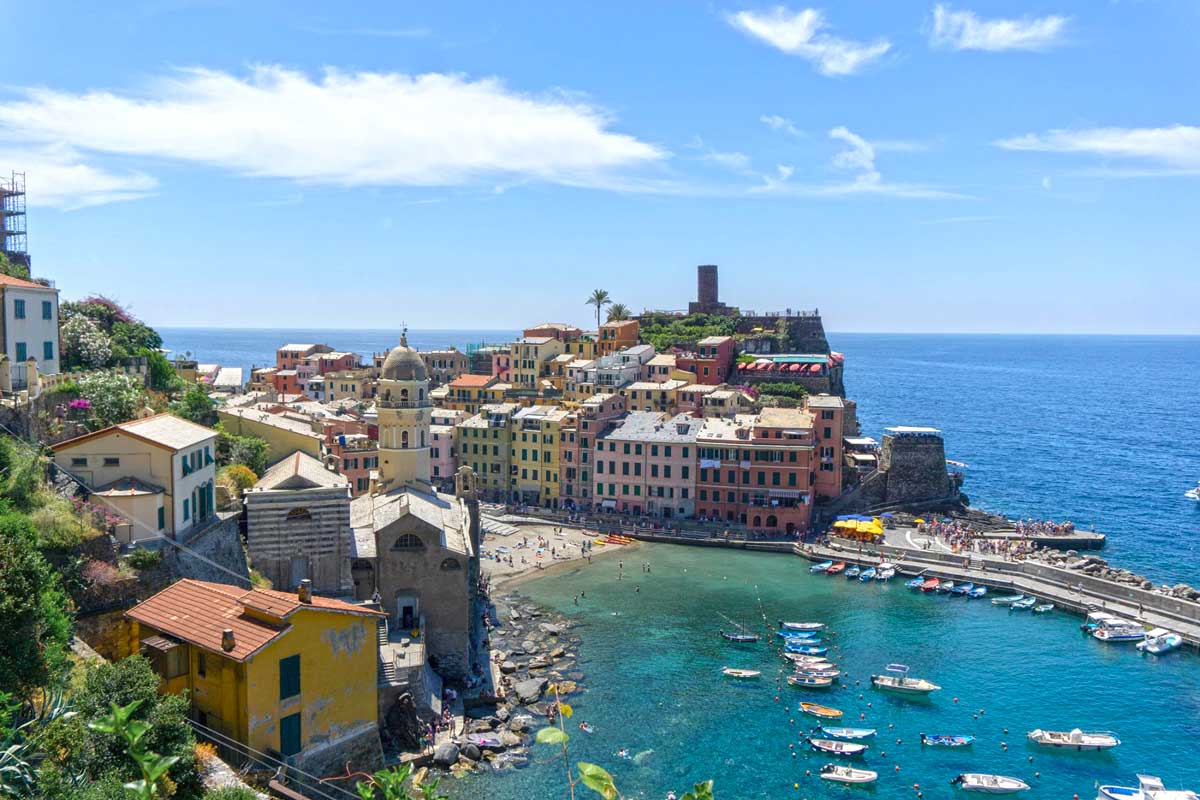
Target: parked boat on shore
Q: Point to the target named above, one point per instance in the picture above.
(1093, 620)
(977, 592)
(1024, 604)
(915, 583)
(844, 774)
(837, 747)
(945, 587)
(930, 585)
(885, 573)
(1074, 739)
(834, 569)
(1118, 630)
(1043, 608)
(961, 589)
(852, 572)
(1148, 788)
(1159, 641)
(898, 681)
(989, 784)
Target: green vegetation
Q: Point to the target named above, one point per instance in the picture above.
(388, 784)
(143, 558)
(790, 390)
(114, 398)
(12, 269)
(238, 477)
(249, 451)
(617, 312)
(665, 331)
(230, 793)
(162, 374)
(194, 406)
(599, 298)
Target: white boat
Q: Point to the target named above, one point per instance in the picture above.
(1159, 641)
(802, 626)
(817, 672)
(842, 774)
(989, 784)
(740, 673)
(1093, 620)
(1193, 494)
(1120, 630)
(1148, 788)
(812, 662)
(1043, 608)
(837, 747)
(810, 681)
(885, 573)
(945, 587)
(1008, 600)
(1074, 739)
(899, 681)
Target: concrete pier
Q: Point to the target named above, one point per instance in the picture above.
(1067, 589)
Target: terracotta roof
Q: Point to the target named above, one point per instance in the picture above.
(197, 612)
(471, 381)
(10, 281)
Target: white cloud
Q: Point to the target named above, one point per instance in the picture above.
(781, 124)
(351, 129)
(56, 176)
(798, 33)
(1174, 149)
(964, 30)
(734, 160)
(1047, 184)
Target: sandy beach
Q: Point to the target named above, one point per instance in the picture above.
(561, 546)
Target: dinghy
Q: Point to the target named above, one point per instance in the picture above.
(898, 681)
(848, 733)
(945, 587)
(946, 740)
(834, 569)
(824, 565)
(818, 672)
(837, 747)
(1007, 600)
(1023, 604)
(852, 572)
(805, 650)
(915, 583)
(1075, 739)
(796, 634)
(733, 672)
(809, 681)
(1148, 788)
(930, 585)
(867, 574)
(961, 589)
(989, 784)
(843, 774)
(816, 662)
(977, 592)
(740, 638)
(817, 710)
(1159, 641)
(1043, 608)
(802, 626)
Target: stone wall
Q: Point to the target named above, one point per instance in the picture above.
(308, 524)
(915, 467)
(358, 749)
(215, 554)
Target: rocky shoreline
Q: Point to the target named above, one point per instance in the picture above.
(1099, 568)
(533, 650)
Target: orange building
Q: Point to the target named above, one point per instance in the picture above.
(616, 336)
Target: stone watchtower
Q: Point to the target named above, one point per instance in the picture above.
(707, 298)
(404, 412)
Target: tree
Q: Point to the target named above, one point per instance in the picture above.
(250, 451)
(84, 343)
(115, 398)
(35, 624)
(618, 312)
(599, 299)
(134, 338)
(12, 268)
(194, 406)
(163, 377)
(237, 477)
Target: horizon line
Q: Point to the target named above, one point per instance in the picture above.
(828, 333)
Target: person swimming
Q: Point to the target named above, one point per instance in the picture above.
(623, 753)
(586, 727)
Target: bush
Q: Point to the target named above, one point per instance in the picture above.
(792, 390)
(230, 793)
(23, 472)
(143, 558)
(35, 623)
(163, 377)
(249, 451)
(238, 476)
(84, 344)
(60, 528)
(194, 406)
(114, 396)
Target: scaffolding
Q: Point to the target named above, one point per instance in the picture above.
(12, 218)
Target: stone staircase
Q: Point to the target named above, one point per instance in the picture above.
(387, 667)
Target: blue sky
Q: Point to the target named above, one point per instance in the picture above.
(903, 166)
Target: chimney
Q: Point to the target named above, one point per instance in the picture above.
(304, 593)
(227, 642)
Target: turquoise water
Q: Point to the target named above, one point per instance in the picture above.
(654, 686)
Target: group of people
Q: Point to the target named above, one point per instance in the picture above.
(962, 538)
(1033, 527)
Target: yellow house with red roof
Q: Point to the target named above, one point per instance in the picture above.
(292, 675)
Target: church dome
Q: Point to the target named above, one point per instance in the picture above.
(403, 364)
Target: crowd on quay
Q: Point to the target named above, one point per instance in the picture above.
(963, 538)
(1033, 527)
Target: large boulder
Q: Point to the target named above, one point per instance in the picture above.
(508, 667)
(530, 691)
(470, 752)
(445, 754)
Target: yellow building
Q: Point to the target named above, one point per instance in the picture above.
(536, 439)
(650, 396)
(283, 673)
(531, 356)
(345, 384)
(483, 443)
(468, 393)
(284, 435)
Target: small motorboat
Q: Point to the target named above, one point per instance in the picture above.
(1193, 493)
(898, 681)
(802, 626)
(816, 662)
(824, 565)
(848, 733)
(946, 740)
(1024, 604)
(818, 672)
(1007, 600)
(885, 574)
(1159, 641)
(739, 638)
(867, 574)
(961, 589)
(989, 784)
(1074, 739)
(805, 649)
(945, 587)
(930, 585)
(733, 672)
(809, 682)
(1148, 788)
(915, 583)
(844, 774)
(977, 592)
(883, 565)
(837, 747)
(1120, 630)
(817, 710)
(1093, 620)
(834, 569)
(852, 572)
(1043, 608)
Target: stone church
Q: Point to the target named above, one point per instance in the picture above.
(414, 549)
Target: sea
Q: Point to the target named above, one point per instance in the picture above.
(1098, 430)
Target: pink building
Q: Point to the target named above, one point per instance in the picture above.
(827, 412)
(575, 456)
(646, 465)
(443, 461)
(713, 360)
(502, 366)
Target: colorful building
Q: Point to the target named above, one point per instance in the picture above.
(712, 361)
(443, 458)
(530, 361)
(616, 336)
(444, 366)
(283, 434)
(484, 443)
(650, 396)
(470, 392)
(29, 343)
(646, 465)
(827, 411)
(285, 673)
(536, 439)
(588, 420)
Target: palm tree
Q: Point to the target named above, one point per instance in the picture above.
(618, 312)
(599, 299)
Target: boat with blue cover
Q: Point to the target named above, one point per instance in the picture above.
(977, 592)
(824, 565)
(796, 634)
(852, 572)
(1148, 788)
(1024, 604)
(961, 589)
(806, 650)
(867, 574)
(915, 583)
(946, 740)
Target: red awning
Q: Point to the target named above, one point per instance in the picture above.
(815, 369)
(795, 367)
